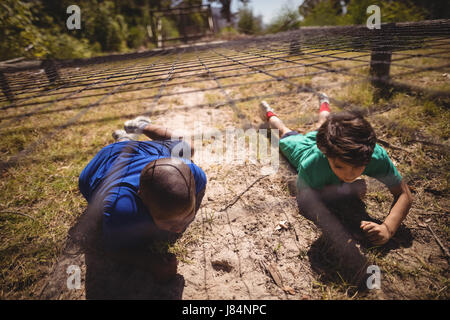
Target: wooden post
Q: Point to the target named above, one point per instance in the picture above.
(51, 70)
(380, 63)
(210, 19)
(294, 47)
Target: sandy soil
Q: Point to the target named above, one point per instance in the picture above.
(229, 251)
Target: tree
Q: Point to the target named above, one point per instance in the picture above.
(331, 12)
(226, 7)
(20, 37)
(308, 6)
(288, 18)
(324, 13)
(248, 23)
(391, 11)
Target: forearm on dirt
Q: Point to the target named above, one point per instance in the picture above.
(400, 208)
(313, 208)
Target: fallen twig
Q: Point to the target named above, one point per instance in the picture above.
(276, 276)
(428, 212)
(439, 241)
(430, 143)
(240, 195)
(388, 145)
(19, 213)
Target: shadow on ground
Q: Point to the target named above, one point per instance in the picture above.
(108, 279)
(328, 262)
(103, 277)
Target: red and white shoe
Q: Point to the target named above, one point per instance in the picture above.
(324, 102)
(264, 109)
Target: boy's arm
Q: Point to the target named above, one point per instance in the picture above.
(400, 207)
(380, 234)
(313, 208)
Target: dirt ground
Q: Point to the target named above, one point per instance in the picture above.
(258, 247)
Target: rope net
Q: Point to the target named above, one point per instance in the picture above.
(391, 58)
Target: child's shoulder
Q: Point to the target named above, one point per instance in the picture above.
(379, 156)
(379, 152)
(315, 160)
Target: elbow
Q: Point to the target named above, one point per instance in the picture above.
(410, 199)
(407, 196)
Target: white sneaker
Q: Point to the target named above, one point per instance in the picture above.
(121, 135)
(264, 108)
(323, 98)
(137, 125)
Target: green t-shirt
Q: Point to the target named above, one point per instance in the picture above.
(314, 170)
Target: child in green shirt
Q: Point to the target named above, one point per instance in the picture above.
(330, 160)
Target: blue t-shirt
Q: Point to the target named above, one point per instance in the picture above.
(111, 179)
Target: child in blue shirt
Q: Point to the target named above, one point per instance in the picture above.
(142, 191)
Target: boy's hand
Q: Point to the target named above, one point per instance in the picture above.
(378, 234)
(359, 187)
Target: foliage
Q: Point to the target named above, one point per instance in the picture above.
(64, 46)
(248, 23)
(37, 29)
(20, 37)
(228, 32)
(324, 13)
(288, 18)
(136, 37)
(108, 29)
(331, 12)
(169, 29)
(391, 11)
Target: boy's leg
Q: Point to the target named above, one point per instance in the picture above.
(143, 125)
(156, 132)
(268, 114)
(324, 109)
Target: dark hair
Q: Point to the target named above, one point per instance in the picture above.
(348, 137)
(169, 183)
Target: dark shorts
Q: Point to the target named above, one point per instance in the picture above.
(288, 134)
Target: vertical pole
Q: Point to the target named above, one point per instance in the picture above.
(380, 63)
(210, 19)
(152, 32)
(184, 19)
(51, 70)
(294, 46)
